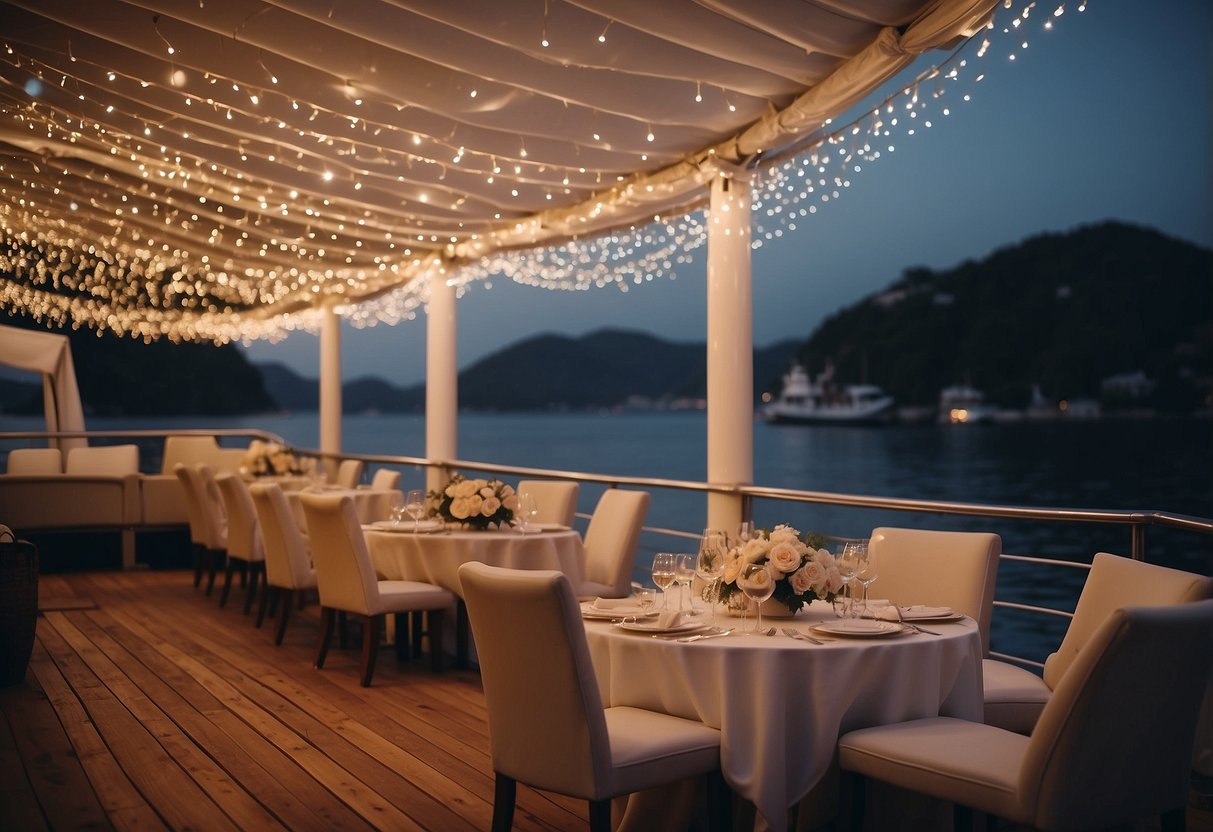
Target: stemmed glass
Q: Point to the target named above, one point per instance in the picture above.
(397, 508)
(663, 575)
(758, 585)
(709, 566)
(528, 508)
(684, 573)
(414, 504)
(866, 575)
(848, 560)
(745, 531)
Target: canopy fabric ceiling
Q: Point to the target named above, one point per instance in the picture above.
(216, 168)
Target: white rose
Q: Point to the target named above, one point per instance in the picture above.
(784, 534)
(785, 557)
(801, 583)
(758, 579)
(755, 550)
(732, 566)
(506, 491)
(815, 574)
(490, 506)
(833, 579)
(466, 488)
(487, 492)
(474, 503)
(460, 509)
(510, 501)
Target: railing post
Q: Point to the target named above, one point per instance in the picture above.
(1139, 540)
(441, 377)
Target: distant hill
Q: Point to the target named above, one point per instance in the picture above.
(1061, 311)
(125, 377)
(604, 369)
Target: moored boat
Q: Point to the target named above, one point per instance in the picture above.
(806, 401)
(962, 404)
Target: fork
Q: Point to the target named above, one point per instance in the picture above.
(788, 631)
(715, 632)
(910, 625)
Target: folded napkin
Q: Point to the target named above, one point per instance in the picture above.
(615, 604)
(889, 612)
(667, 620)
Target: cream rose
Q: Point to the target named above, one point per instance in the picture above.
(460, 509)
(833, 579)
(755, 550)
(785, 557)
(784, 534)
(732, 567)
(801, 582)
(490, 506)
(474, 503)
(510, 501)
(487, 491)
(466, 488)
(758, 579)
(815, 574)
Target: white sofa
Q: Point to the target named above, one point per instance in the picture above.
(163, 502)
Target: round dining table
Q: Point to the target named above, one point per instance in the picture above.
(781, 703)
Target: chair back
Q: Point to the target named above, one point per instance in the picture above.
(1115, 582)
(287, 562)
(612, 537)
(555, 499)
(945, 569)
(345, 577)
(385, 479)
(243, 529)
(35, 461)
(103, 460)
(546, 723)
(211, 503)
(189, 450)
(188, 478)
(1114, 742)
(349, 473)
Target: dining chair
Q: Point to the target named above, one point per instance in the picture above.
(35, 461)
(204, 508)
(347, 582)
(555, 499)
(547, 725)
(245, 549)
(288, 564)
(946, 569)
(103, 460)
(610, 543)
(385, 479)
(349, 473)
(1015, 696)
(1113, 744)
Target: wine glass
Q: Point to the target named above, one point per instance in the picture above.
(758, 585)
(848, 561)
(528, 510)
(713, 549)
(397, 508)
(663, 575)
(414, 504)
(684, 573)
(745, 531)
(867, 574)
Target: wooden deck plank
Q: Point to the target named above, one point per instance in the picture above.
(19, 805)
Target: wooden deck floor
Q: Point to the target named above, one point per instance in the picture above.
(148, 707)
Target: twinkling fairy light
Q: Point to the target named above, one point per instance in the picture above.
(180, 239)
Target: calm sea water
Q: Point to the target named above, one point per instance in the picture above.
(1165, 465)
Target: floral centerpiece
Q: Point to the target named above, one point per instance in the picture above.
(478, 503)
(801, 571)
(267, 459)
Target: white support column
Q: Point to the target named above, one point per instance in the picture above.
(730, 348)
(330, 386)
(441, 378)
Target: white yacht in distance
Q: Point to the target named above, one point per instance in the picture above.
(804, 401)
(961, 404)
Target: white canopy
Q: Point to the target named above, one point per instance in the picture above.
(218, 168)
(50, 355)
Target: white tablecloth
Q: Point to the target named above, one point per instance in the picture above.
(436, 558)
(781, 704)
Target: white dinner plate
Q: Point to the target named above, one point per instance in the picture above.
(406, 526)
(652, 628)
(588, 610)
(919, 612)
(859, 628)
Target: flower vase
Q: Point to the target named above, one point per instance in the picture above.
(772, 608)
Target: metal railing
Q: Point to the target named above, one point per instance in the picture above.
(1138, 522)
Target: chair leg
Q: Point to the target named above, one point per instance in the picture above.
(342, 626)
(199, 562)
(600, 816)
(416, 620)
(275, 597)
(402, 637)
(286, 613)
(851, 797)
(329, 616)
(504, 792)
(720, 802)
(214, 558)
(435, 620)
(227, 582)
(461, 635)
(370, 647)
(255, 572)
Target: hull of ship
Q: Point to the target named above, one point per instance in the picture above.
(825, 416)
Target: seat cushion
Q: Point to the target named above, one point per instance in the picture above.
(963, 762)
(408, 596)
(1014, 696)
(649, 748)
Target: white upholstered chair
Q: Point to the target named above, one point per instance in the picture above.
(208, 527)
(103, 460)
(385, 479)
(1015, 696)
(943, 569)
(555, 499)
(40, 461)
(610, 543)
(1113, 744)
(245, 550)
(288, 564)
(347, 581)
(349, 473)
(547, 725)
